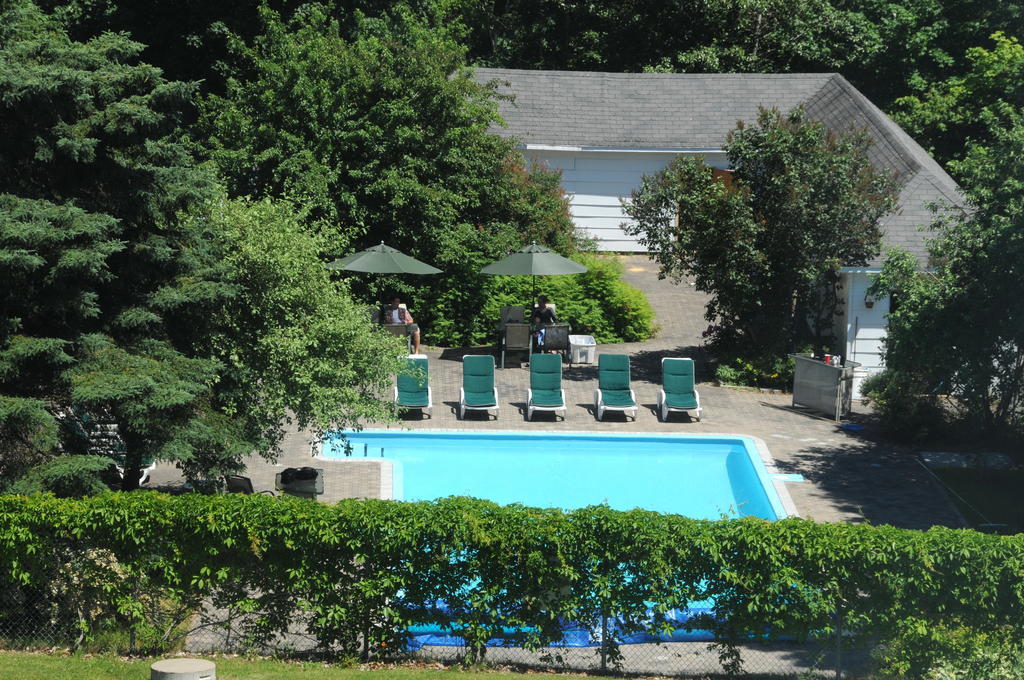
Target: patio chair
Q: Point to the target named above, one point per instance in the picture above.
(556, 337)
(399, 330)
(478, 392)
(678, 392)
(412, 388)
(512, 314)
(516, 337)
(613, 391)
(545, 393)
(241, 484)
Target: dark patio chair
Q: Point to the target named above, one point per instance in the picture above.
(515, 338)
(243, 485)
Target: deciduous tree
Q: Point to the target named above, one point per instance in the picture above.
(800, 203)
(959, 330)
(952, 111)
(383, 136)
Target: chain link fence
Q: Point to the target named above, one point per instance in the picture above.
(215, 632)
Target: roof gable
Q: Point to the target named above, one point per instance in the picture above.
(659, 111)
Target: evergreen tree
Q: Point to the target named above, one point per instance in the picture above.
(115, 282)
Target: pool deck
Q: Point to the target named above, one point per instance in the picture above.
(852, 477)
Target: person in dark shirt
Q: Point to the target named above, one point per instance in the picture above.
(542, 316)
(546, 314)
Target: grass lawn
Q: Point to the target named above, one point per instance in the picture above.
(37, 666)
(990, 495)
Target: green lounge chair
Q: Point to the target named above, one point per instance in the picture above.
(412, 389)
(613, 392)
(478, 392)
(545, 393)
(678, 392)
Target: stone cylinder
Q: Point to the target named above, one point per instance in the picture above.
(183, 669)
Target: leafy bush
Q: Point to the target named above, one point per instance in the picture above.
(363, 571)
(948, 651)
(771, 372)
(597, 302)
(906, 409)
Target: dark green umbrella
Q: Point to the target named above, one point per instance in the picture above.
(382, 259)
(534, 260)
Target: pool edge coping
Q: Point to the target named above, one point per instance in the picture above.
(387, 467)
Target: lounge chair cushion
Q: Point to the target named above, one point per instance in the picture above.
(412, 389)
(617, 398)
(547, 397)
(478, 380)
(677, 380)
(687, 401)
(480, 398)
(613, 380)
(546, 379)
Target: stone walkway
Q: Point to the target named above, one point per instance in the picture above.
(850, 477)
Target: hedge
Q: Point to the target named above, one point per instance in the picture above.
(598, 303)
(359, 572)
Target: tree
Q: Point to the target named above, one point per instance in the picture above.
(959, 330)
(383, 137)
(767, 243)
(291, 342)
(953, 110)
(92, 252)
(119, 302)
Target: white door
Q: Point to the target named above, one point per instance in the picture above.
(865, 328)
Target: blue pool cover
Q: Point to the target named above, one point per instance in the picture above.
(577, 635)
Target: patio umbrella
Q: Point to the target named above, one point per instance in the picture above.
(534, 260)
(382, 259)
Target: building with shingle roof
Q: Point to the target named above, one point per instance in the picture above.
(605, 131)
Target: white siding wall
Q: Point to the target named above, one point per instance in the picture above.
(865, 327)
(597, 181)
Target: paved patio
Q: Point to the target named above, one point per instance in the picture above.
(848, 476)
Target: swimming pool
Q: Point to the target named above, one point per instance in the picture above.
(704, 477)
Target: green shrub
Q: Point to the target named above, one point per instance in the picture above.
(908, 412)
(597, 302)
(362, 571)
(923, 650)
(769, 372)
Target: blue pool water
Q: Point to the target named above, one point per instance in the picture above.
(700, 477)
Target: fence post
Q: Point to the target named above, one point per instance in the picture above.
(839, 645)
(604, 642)
(365, 655)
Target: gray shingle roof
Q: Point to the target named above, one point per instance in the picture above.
(697, 111)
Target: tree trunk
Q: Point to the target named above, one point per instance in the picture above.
(133, 453)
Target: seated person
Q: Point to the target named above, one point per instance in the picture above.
(542, 316)
(546, 314)
(538, 332)
(396, 314)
